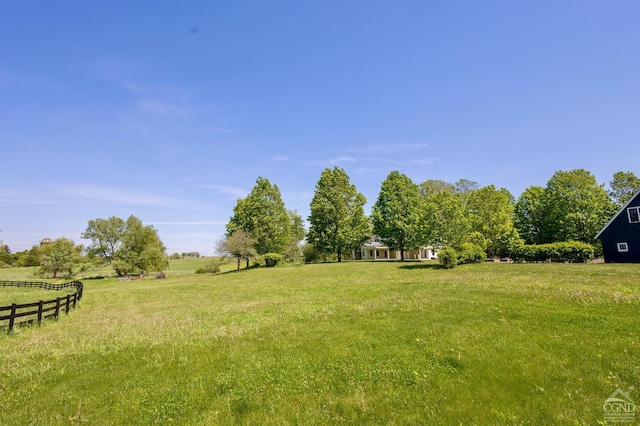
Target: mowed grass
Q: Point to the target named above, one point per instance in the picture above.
(352, 343)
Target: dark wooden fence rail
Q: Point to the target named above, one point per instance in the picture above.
(37, 311)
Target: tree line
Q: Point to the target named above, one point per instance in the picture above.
(572, 207)
(461, 215)
(128, 246)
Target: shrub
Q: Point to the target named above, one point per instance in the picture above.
(211, 268)
(471, 253)
(272, 259)
(567, 251)
(448, 258)
(310, 253)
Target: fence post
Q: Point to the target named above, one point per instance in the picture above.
(57, 308)
(12, 318)
(40, 306)
(66, 310)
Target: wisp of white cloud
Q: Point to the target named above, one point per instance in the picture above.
(423, 161)
(331, 162)
(225, 190)
(162, 108)
(390, 147)
(119, 196)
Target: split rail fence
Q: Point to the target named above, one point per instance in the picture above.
(36, 312)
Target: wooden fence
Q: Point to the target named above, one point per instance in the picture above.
(37, 311)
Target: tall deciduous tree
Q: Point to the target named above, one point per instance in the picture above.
(491, 214)
(465, 187)
(60, 255)
(238, 245)
(297, 233)
(263, 216)
(396, 213)
(128, 246)
(435, 186)
(623, 186)
(445, 222)
(528, 215)
(337, 220)
(575, 207)
(106, 237)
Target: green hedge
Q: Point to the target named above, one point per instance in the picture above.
(569, 251)
(467, 253)
(471, 253)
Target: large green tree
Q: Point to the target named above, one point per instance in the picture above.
(128, 246)
(337, 220)
(435, 186)
(624, 185)
(297, 232)
(575, 207)
(445, 222)
(263, 216)
(396, 215)
(528, 215)
(59, 255)
(491, 215)
(238, 245)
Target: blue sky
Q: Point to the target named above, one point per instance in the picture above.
(170, 111)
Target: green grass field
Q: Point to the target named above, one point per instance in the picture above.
(352, 343)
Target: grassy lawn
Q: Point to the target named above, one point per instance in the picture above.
(353, 343)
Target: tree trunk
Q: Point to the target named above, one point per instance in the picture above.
(238, 268)
(339, 255)
(247, 263)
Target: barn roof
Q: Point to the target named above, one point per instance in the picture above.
(623, 208)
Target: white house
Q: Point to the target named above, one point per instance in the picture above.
(375, 250)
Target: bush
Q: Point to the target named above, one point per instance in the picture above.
(272, 259)
(211, 268)
(448, 258)
(471, 253)
(567, 251)
(310, 253)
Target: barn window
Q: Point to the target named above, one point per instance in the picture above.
(634, 214)
(623, 247)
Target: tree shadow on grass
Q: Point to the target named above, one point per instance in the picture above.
(97, 277)
(421, 266)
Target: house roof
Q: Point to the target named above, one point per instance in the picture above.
(617, 214)
(374, 244)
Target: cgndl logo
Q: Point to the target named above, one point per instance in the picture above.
(619, 407)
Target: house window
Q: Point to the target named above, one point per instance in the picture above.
(634, 214)
(623, 247)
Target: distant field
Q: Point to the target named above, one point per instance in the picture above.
(352, 343)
